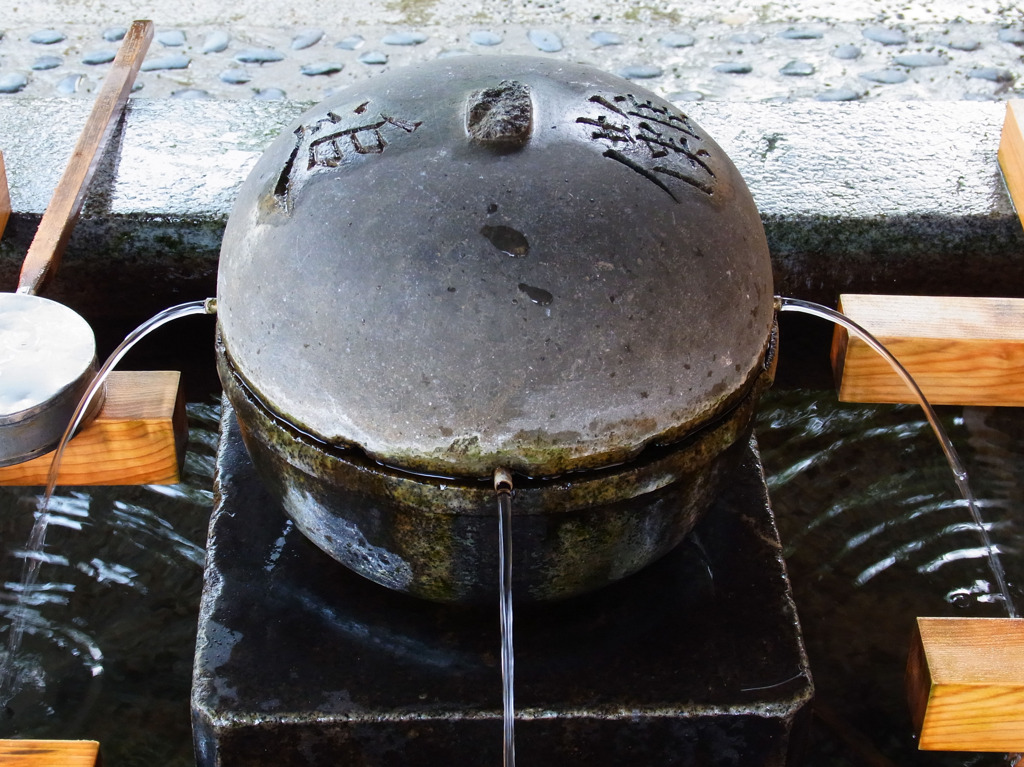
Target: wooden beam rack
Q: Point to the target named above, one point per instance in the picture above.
(137, 438)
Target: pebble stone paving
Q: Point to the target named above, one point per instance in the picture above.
(719, 61)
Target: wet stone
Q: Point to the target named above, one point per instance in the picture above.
(192, 94)
(733, 68)
(684, 96)
(105, 56)
(640, 72)
(537, 295)
(68, 86)
(216, 41)
(929, 46)
(601, 39)
(174, 61)
(545, 40)
(838, 94)
(748, 38)
(917, 60)
(350, 43)
(114, 34)
(259, 56)
(500, 117)
(12, 82)
(300, 662)
(885, 76)
(172, 38)
(321, 68)
(801, 33)
(404, 38)
(677, 40)
(797, 69)
(306, 39)
(46, 37)
(509, 241)
(992, 74)
(980, 97)
(964, 44)
(374, 58)
(1013, 36)
(234, 76)
(269, 94)
(885, 35)
(846, 52)
(485, 37)
(47, 62)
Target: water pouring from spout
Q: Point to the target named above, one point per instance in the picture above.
(37, 538)
(956, 466)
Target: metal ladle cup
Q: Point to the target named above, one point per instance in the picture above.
(47, 360)
(47, 351)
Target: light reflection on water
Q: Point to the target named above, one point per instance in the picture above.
(874, 530)
(876, 535)
(109, 643)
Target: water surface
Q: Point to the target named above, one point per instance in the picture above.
(874, 530)
(876, 534)
(107, 653)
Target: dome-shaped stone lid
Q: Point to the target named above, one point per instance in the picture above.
(495, 261)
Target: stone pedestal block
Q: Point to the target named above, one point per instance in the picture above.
(697, 660)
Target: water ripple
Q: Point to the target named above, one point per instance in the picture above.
(978, 552)
(40, 556)
(146, 522)
(119, 589)
(112, 573)
(875, 534)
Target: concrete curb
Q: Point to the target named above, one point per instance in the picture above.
(857, 197)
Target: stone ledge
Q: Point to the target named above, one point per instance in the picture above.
(856, 197)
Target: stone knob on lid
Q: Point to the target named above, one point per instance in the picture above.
(501, 116)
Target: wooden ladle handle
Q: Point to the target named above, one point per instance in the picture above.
(5, 197)
(51, 238)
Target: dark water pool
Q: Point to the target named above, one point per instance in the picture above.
(876, 535)
(108, 654)
(874, 531)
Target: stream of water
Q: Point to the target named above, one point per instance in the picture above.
(503, 487)
(34, 554)
(952, 457)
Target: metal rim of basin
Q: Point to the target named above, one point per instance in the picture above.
(47, 361)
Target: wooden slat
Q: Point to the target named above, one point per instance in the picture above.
(137, 438)
(51, 238)
(49, 753)
(961, 351)
(5, 197)
(1011, 153)
(965, 684)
